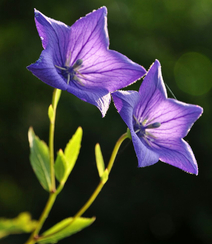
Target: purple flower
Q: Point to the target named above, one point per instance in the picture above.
(77, 59)
(157, 124)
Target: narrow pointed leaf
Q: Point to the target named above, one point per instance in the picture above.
(99, 160)
(60, 166)
(72, 150)
(21, 224)
(51, 112)
(65, 228)
(40, 161)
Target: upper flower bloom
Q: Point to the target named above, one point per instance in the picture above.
(157, 123)
(77, 59)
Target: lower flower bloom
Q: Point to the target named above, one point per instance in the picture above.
(158, 124)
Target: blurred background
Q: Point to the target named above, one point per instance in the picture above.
(157, 204)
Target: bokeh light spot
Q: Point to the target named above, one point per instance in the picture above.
(193, 73)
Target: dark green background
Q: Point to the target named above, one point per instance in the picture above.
(157, 204)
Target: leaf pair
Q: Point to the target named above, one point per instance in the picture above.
(40, 159)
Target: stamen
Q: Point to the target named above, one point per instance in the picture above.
(69, 77)
(77, 64)
(60, 67)
(154, 125)
(136, 120)
(142, 129)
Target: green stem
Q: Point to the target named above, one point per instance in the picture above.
(101, 183)
(53, 194)
(55, 99)
(52, 197)
(98, 188)
(34, 236)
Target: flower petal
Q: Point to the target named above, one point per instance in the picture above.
(152, 91)
(125, 102)
(146, 156)
(54, 35)
(178, 153)
(45, 70)
(176, 118)
(88, 36)
(101, 98)
(101, 67)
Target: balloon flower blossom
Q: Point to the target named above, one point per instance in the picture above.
(77, 59)
(157, 124)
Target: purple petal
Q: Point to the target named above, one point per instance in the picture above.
(178, 153)
(101, 98)
(176, 118)
(146, 156)
(44, 69)
(101, 67)
(152, 91)
(54, 35)
(88, 36)
(125, 101)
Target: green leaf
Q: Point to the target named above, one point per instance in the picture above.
(51, 113)
(104, 176)
(40, 161)
(65, 162)
(99, 160)
(72, 148)
(21, 224)
(60, 166)
(65, 228)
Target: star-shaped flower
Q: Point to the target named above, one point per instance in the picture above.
(157, 124)
(77, 59)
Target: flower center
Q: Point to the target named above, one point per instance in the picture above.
(70, 72)
(141, 129)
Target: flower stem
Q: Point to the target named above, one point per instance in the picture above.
(101, 183)
(55, 99)
(98, 188)
(53, 194)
